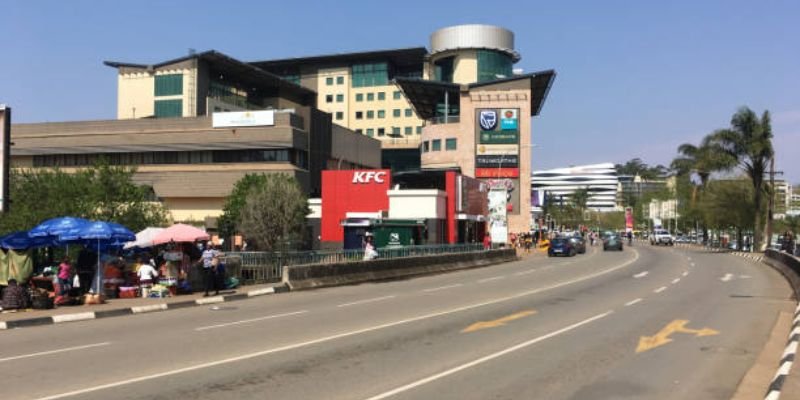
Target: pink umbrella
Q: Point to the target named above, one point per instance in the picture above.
(180, 233)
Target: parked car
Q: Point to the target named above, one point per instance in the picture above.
(578, 243)
(612, 241)
(561, 247)
(661, 236)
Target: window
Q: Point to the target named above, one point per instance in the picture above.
(359, 96)
(374, 74)
(329, 81)
(397, 95)
(419, 130)
(409, 113)
(340, 80)
(168, 108)
(493, 65)
(409, 130)
(426, 146)
(339, 115)
(395, 131)
(370, 132)
(359, 131)
(396, 113)
(450, 144)
(169, 85)
(381, 113)
(370, 114)
(436, 145)
(340, 98)
(359, 115)
(443, 69)
(381, 131)
(370, 96)
(381, 95)
(329, 98)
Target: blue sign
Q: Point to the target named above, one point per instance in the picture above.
(508, 120)
(488, 119)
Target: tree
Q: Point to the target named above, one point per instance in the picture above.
(579, 198)
(749, 142)
(730, 204)
(100, 192)
(234, 203)
(274, 214)
(636, 166)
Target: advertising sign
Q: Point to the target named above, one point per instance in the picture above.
(490, 149)
(511, 187)
(497, 172)
(498, 137)
(498, 225)
(508, 119)
(487, 119)
(5, 154)
(243, 119)
(497, 161)
(628, 219)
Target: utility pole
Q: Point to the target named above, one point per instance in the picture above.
(771, 204)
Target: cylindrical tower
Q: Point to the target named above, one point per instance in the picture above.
(471, 53)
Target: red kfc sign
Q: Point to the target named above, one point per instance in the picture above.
(369, 176)
(356, 191)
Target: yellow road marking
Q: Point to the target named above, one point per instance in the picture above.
(662, 337)
(498, 322)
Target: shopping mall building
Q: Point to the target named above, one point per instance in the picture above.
(196, 124)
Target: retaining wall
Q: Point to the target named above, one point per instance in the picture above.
(788, 265)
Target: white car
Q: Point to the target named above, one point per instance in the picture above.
(661, 237)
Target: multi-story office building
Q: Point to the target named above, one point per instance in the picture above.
(559, 184)
(783, 198)
(632, 187)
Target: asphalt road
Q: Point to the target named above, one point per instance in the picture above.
(647, 323)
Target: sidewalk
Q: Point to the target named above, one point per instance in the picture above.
(119, 307)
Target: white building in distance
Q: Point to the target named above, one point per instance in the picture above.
(600, 180)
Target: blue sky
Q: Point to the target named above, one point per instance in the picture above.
(635, 79)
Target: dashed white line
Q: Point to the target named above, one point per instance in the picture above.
(442, 288)
(632, 302)
(44, 353)
(692, 264)
(726, 278)
(676, 280)
(245, 321)
(659, 290)
(366, 301)
(685, 273)
(491, 279)
(525, 272)
(641, 275)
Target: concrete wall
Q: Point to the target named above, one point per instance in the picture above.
(415, 204)
(787, 265)
(359, 149)
(315, 276)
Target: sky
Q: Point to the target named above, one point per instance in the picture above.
(635, 78)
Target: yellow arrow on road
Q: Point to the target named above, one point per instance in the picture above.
(498, 322)
(662, 337)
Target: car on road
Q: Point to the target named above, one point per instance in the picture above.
(579, 243)
(661, 236)
(561, 246)
(612, 241)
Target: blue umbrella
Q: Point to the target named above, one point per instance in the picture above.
(21, 240)
(99, 233)
(56, 226)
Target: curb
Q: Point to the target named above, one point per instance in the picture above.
(85, 316)
(787, 360)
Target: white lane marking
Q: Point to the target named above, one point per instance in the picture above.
(442, 288)
(366, 301)
(659, 290)
(689, 258)
(744, 276)
(641, 275)
(692, 264)
(245, 321)
(685, 273)
(491, 279)
(632, 302)
(525, 272)
(676, 280)
(334, 337)
(726, 278)
(44, 353)
(487, 358)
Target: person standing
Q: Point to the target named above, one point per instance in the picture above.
(65, 276)
(209, 278)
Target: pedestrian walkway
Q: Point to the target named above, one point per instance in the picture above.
(119, 307)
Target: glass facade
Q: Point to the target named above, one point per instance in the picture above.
(169, 85)
(373, 74)
(443, 69)
(168, 108)
(296, 157)
(229, 94)
(493, 65)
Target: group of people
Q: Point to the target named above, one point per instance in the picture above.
(788, 243)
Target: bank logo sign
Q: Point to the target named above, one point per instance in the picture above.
(508, 119)
(488, 119)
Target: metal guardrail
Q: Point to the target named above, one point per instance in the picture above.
(264, 267)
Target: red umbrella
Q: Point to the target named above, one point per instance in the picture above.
(180, 233)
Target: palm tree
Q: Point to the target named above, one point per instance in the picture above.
(749, 142)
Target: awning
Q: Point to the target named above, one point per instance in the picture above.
(425, 95)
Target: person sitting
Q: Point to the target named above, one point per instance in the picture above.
(14, 296)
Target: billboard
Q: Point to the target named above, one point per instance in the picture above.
(243, 119)
(497, 161)
(498, 224)
(497, 172)
(497, 149)
(5, 154)
(628, 219)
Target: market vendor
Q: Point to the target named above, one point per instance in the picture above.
(14, 296)
(147, 275)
